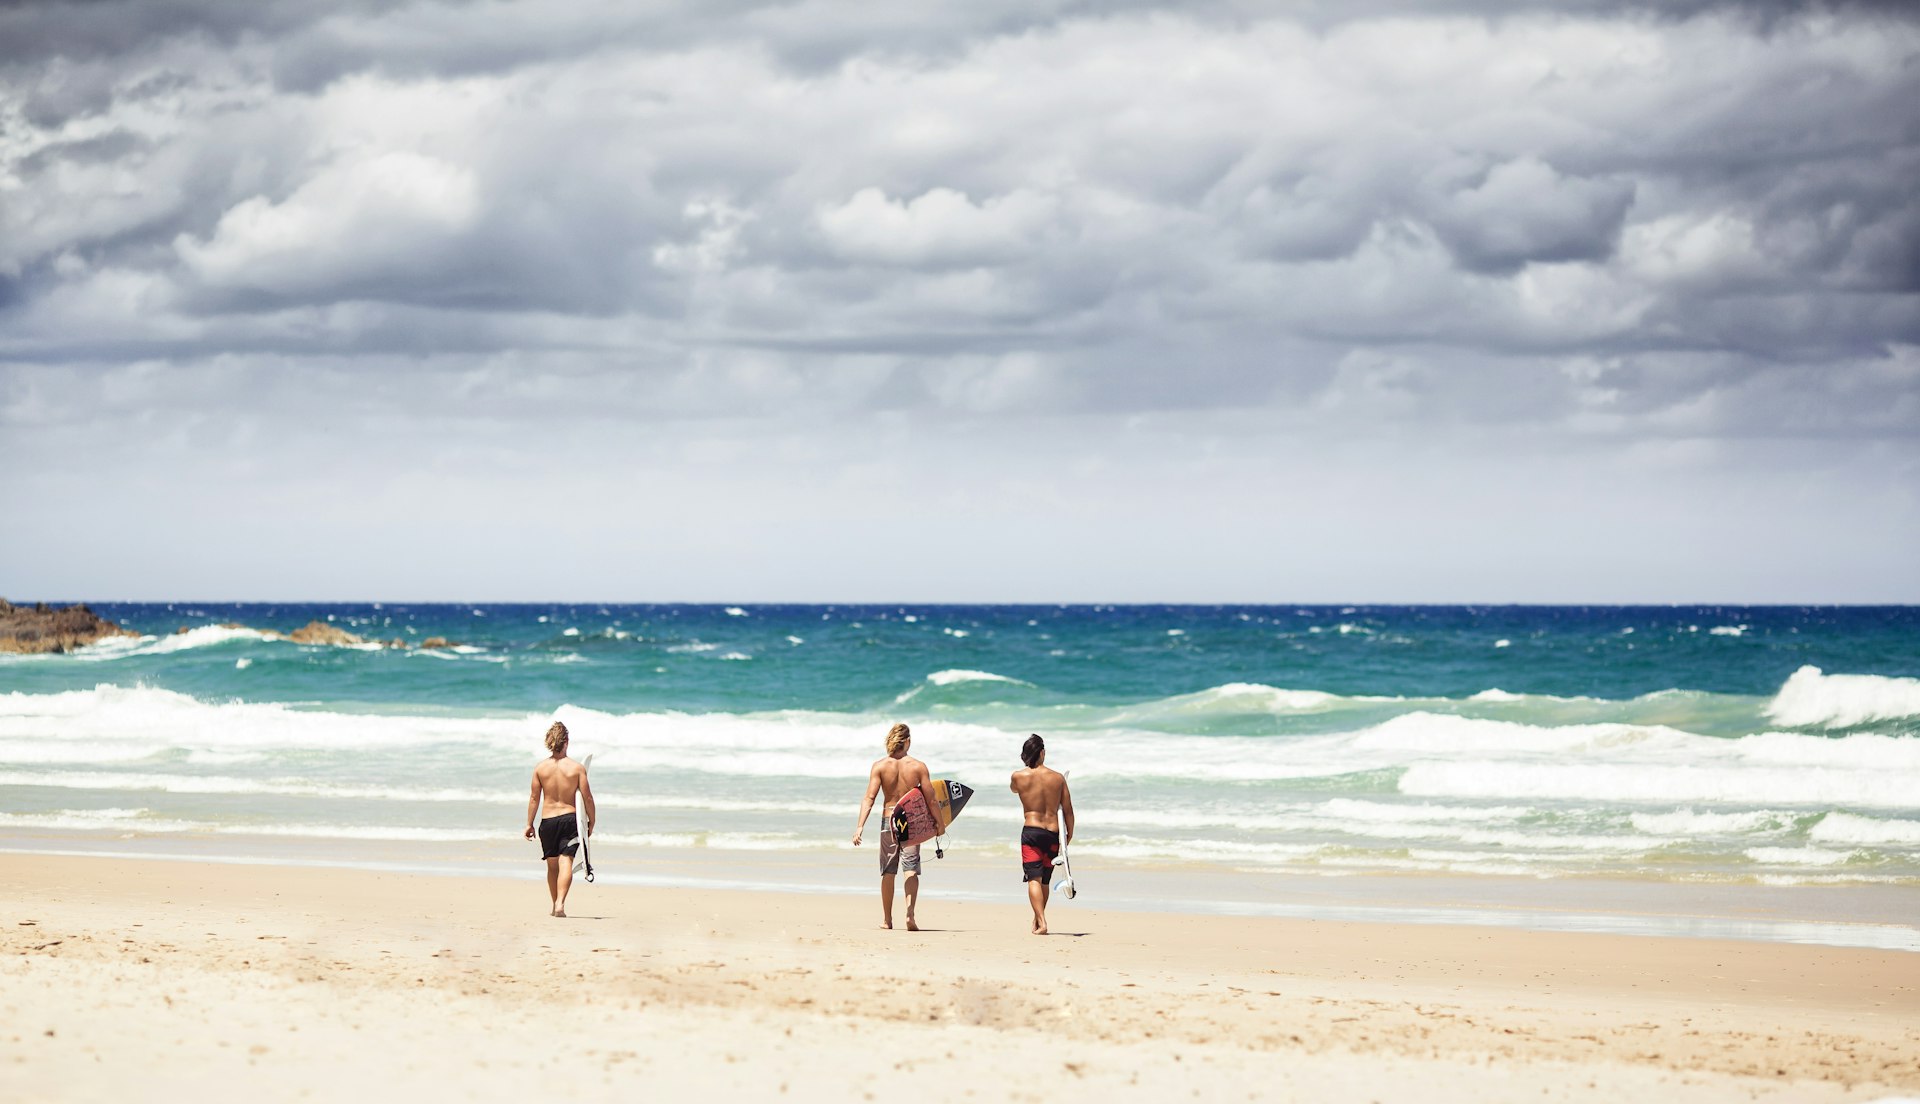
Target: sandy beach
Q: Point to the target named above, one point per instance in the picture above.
(160, 979)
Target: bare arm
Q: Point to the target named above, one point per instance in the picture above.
(586, 799)
(533, 803)
(1066, 808)
(866, 804)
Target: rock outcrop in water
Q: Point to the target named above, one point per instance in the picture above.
(40, 628)
(319, 632)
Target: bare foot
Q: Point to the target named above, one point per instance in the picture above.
(886, 925)
(561, 912)
(1039, 929)
(911, 926)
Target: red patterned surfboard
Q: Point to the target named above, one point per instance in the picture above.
(916, 820)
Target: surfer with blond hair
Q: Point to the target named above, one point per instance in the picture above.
(894, 775)
(557, 781)
(1045, 803)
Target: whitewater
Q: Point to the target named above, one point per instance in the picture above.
(1522, 742)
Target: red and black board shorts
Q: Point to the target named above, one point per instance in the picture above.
(1037, 850)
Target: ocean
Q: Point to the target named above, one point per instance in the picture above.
(1768, 745)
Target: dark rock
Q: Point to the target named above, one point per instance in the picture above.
(436, 642)
(45, 629)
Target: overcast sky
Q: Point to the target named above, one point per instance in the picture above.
(1003, 300)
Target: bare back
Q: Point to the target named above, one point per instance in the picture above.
(558, 781)
(1042, 791)
(897, 776)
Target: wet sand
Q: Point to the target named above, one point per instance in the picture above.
(159, 979)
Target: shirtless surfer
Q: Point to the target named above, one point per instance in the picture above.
(896, 774)
(1043, 794)
(557, 780)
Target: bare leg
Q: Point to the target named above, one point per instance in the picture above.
(566, 883)
(913, 898)
(553, 887)
(1037, 898)
(886, 900)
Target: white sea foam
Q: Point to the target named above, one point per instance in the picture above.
(95, 820)
(396, 833)
(693, 647)
(110, 723)
(736, 656)
(242, 663)
(45, 750)
(1728, 630)
(1664, 783)
(720, 841)
(736, 611)
(1799, 856)
(1351, 809)
(112, 781)
(1446, 732)
(1689, 823)
(1847, 828)
(1496, 695)
(1238, 697)
(125, 647)
(1194, 850)
(1810, 698)
(953, 677)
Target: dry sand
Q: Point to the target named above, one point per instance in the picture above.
(154, 980)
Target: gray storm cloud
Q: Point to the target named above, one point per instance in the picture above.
(1678, 230)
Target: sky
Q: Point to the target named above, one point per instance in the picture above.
(1005, 300)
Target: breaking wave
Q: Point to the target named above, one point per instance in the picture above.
(1812, 699)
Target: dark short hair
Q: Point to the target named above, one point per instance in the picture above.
(1034, 748)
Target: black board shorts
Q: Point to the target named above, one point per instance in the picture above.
(559, 836)
(1037, 850)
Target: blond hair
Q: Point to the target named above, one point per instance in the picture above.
(897, 737)
(556, 736)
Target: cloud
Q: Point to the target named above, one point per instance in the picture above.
(940, 228)
(1580, 223)
(384, 219)
(1524, 212)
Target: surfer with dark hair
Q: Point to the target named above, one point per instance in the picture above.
(894, 775)
(557, 781)
(1045, 802)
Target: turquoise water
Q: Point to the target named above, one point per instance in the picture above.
(1774, 745)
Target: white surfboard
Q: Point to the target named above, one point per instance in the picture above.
(580, 822)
